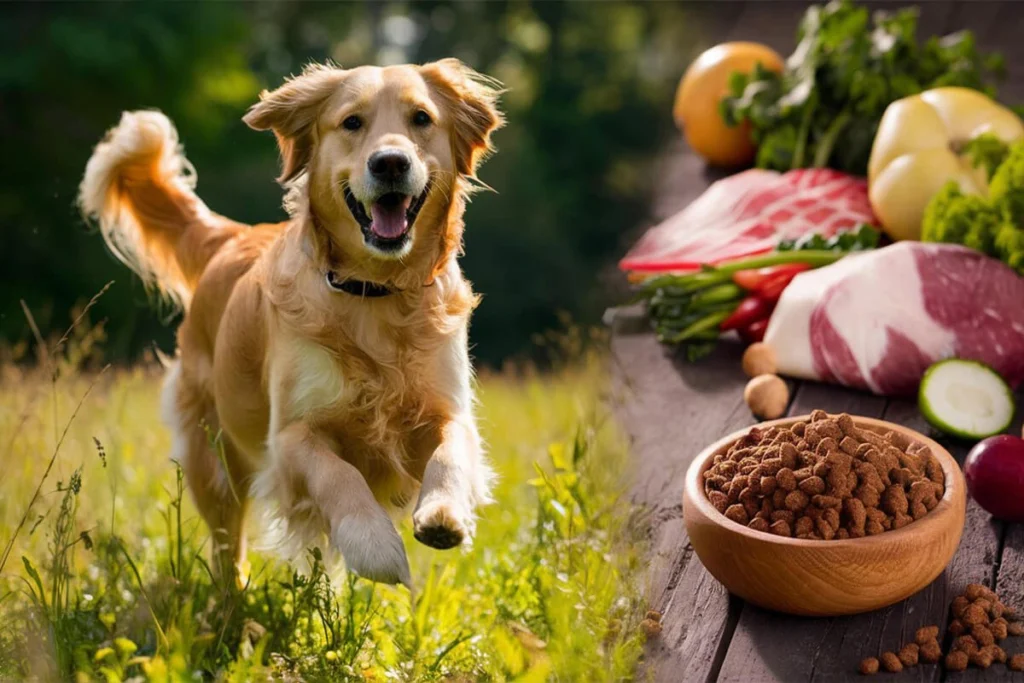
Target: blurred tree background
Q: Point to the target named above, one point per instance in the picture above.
(589, 102)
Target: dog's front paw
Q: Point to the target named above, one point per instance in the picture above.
(372, 548)
(442, 524)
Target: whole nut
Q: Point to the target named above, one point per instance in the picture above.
(767, 396)
(759, 359)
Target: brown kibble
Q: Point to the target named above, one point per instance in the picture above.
(926, 634)
(827, 502)
(759, 524)
(956, 628)
(804, 526)
(982, 635)
(651, 628)
(1015, 628)
(719, 500)
(738, 514)
(958, 606)
(930, 652)
(1000, 628)
(891, 663)
(796, 501)
(868, 666)
(975, 591)
(813, 486)
(786, 479)
(825, 479)
(973, 615)
(957, 661)
(894, 500)
(997, 653)
(965, 644)
(981, 659)
(908, 654)
(1016, 663)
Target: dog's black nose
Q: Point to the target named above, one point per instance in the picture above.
(389, 164)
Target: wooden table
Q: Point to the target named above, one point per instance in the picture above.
(672, 409)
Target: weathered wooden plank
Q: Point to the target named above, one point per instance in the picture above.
(671, 410)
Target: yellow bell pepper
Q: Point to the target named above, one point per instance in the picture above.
(917, 151)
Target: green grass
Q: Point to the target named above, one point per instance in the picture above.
(107, 578)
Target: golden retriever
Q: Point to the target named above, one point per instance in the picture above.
(322, 363)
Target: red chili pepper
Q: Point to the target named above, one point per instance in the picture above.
(754, 332)
(772, 289)
(755, 280)
(750, 310)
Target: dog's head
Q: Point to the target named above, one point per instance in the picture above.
(383, 151)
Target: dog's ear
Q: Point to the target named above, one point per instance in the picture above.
(291, 112)
(470, 99)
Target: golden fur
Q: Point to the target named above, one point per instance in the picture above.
(331, 406)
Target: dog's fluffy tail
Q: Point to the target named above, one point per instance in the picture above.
(139, 186)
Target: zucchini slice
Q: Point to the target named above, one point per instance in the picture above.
(966, 399)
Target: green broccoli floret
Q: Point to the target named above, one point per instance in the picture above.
(1006, 191)
(987, 151)
(958, 218)
(1010, 246)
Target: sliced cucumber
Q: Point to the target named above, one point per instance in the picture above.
(966, 399)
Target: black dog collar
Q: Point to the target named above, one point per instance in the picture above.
(368, 290)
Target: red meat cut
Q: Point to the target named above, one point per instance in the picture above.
(750, 213)
(877, 320)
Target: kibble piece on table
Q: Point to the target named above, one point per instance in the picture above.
(869, 666)
(1016, 662)
(926, 634)
(931, 652)
(957, 661)
(981, 659)
(891, 663)
(909, 654)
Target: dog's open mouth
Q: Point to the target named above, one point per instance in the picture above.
(391, 216)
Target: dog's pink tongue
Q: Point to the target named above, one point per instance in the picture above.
(389, 219)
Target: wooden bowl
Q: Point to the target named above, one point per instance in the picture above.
(825, 578)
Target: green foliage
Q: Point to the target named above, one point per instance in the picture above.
(590, 90)
(861, 238)
(993, 225)
(824, 109)
(986, 151)
(119, 587)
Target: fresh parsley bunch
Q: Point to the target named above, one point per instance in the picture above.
(824, 109)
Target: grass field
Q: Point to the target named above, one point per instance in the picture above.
(107, 577)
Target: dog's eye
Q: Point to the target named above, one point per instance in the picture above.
(352, 123)
(421, 119)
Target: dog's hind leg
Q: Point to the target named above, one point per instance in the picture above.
(214, 471)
